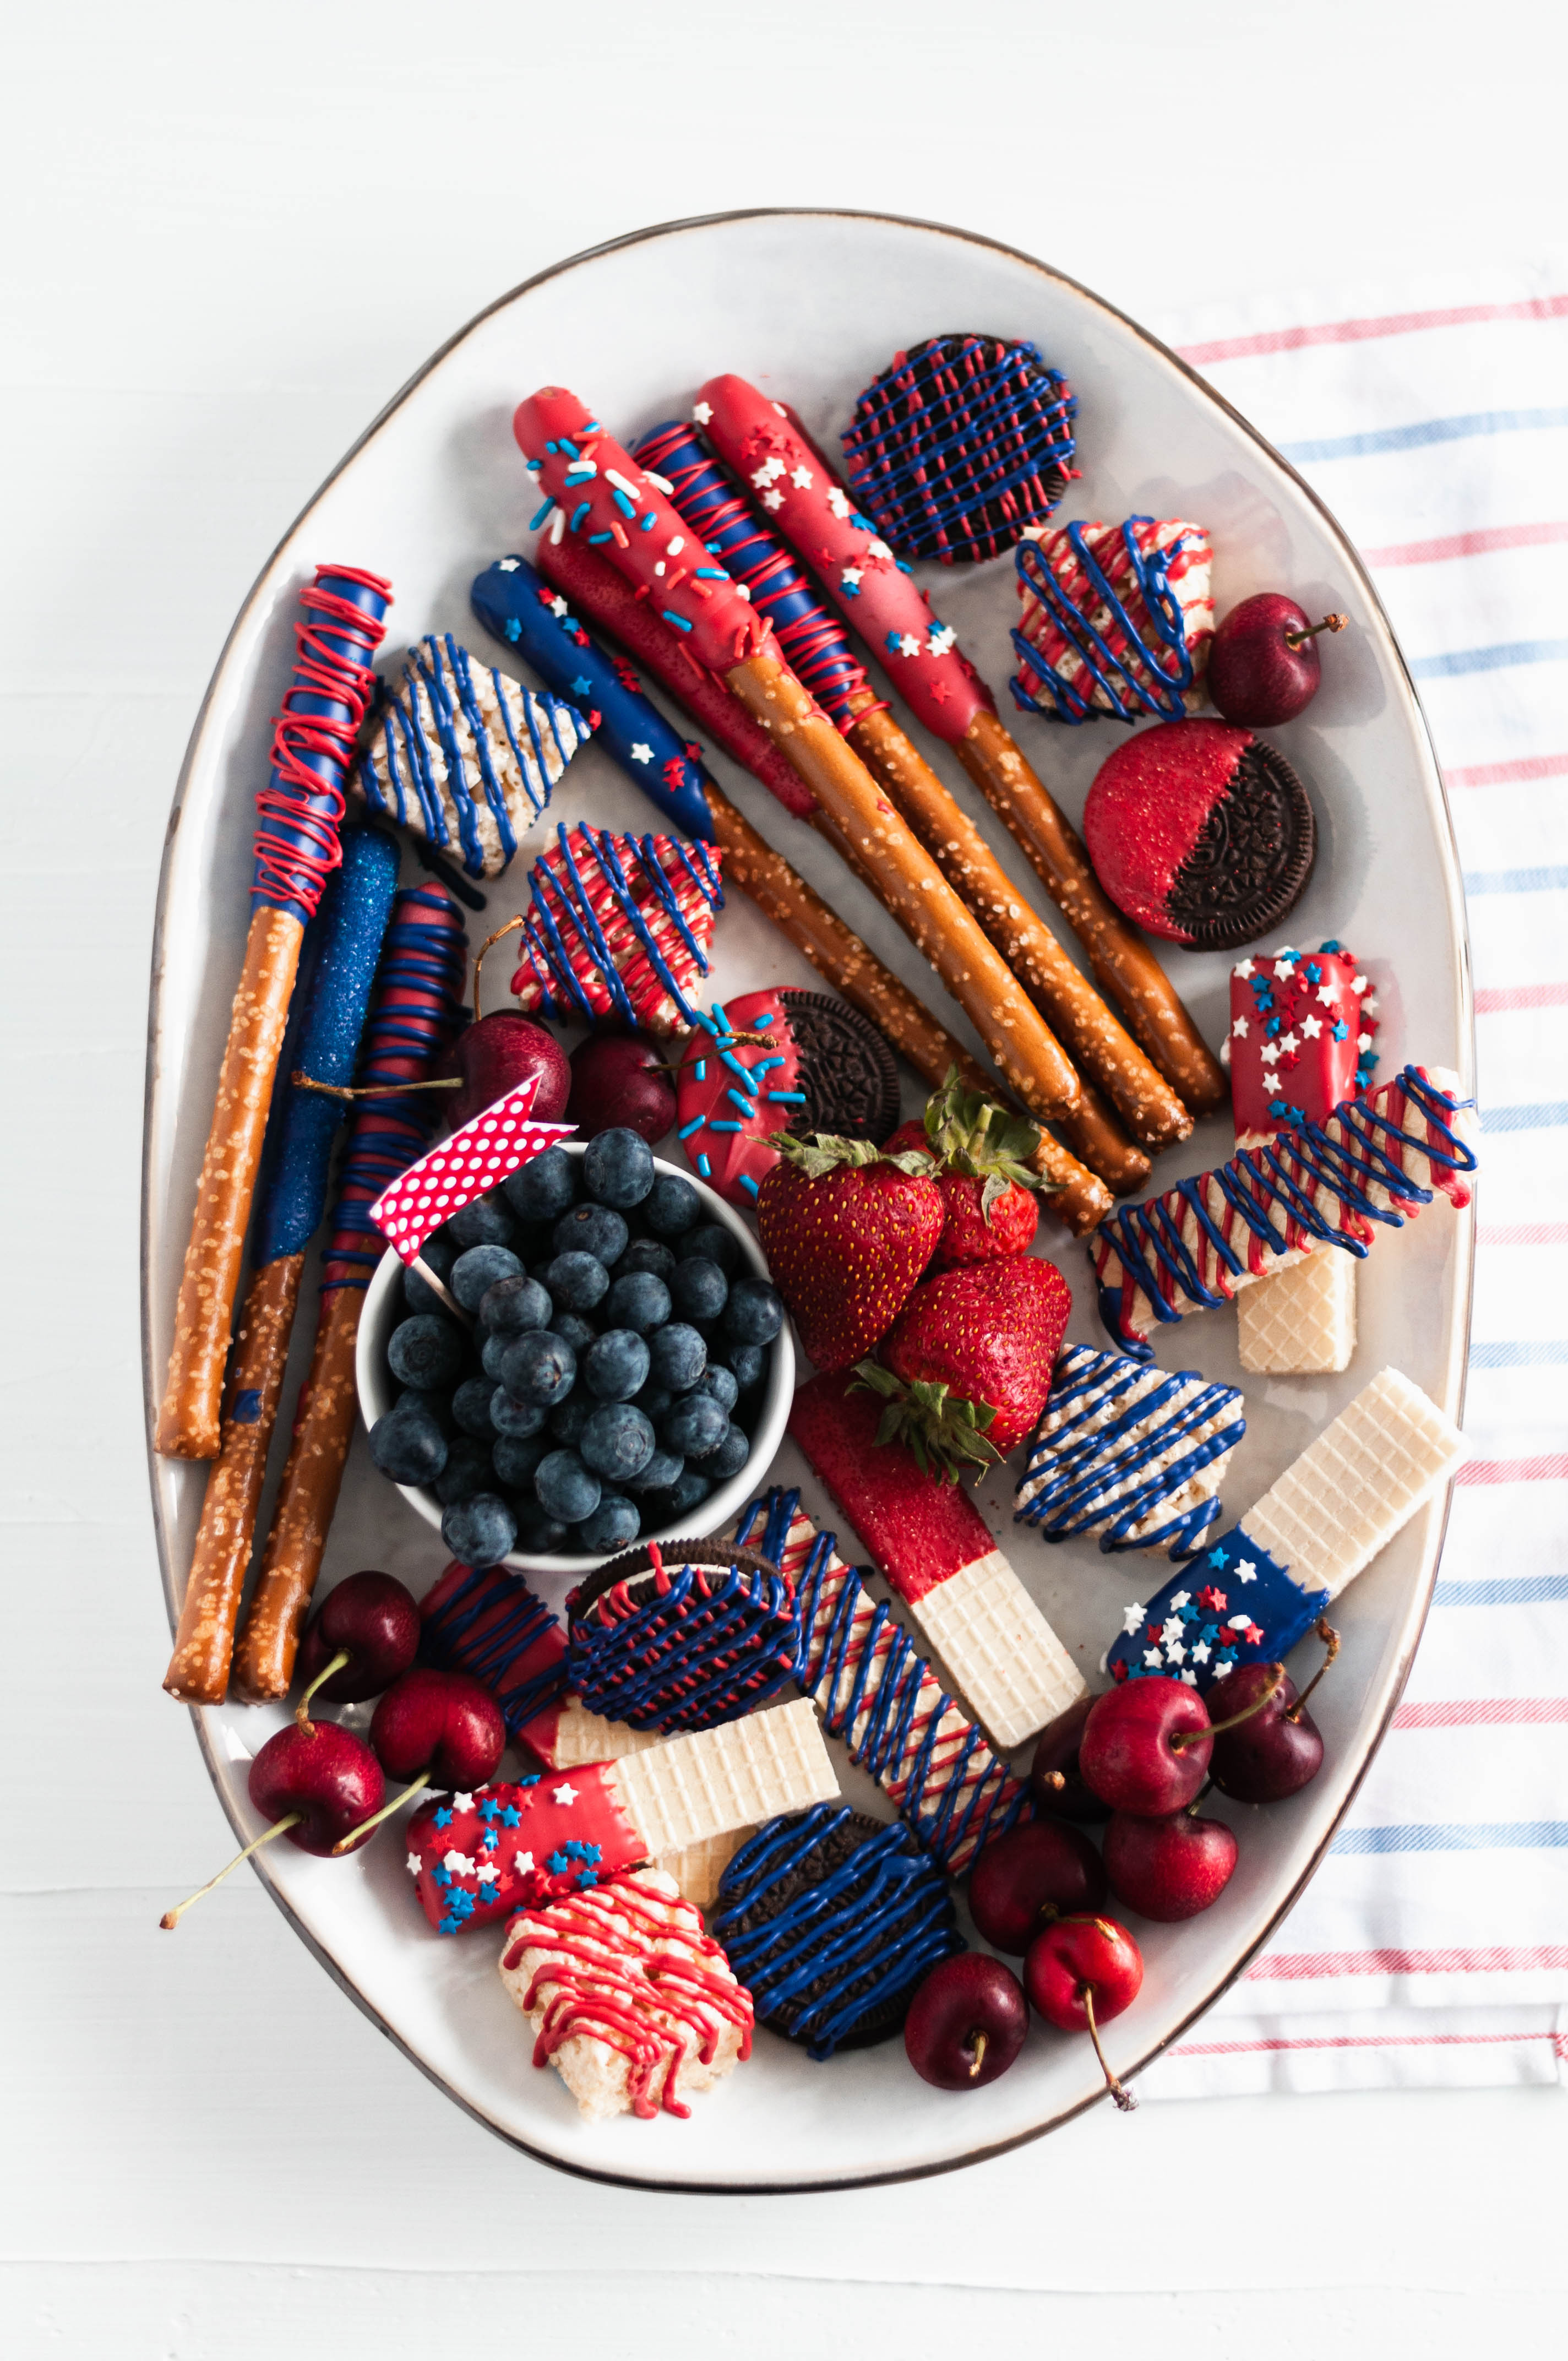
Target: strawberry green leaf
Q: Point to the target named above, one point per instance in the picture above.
(825, 1152)
(942, 1432)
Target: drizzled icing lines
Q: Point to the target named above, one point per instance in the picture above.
(620, 927)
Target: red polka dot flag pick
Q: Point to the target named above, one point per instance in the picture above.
(469, 1164)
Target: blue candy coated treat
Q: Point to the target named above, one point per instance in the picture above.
(1232, 1604)
(347, 936)
(516, 607)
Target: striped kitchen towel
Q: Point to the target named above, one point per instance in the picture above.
(1431, 1948)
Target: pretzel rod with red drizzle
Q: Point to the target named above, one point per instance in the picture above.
(296, 849)
(765, 446)
(604, 494)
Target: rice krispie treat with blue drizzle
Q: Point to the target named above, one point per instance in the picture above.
(1128, 1453)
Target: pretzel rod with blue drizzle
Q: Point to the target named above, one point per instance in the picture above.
(297, 848)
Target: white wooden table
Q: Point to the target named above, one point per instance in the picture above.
(231, 234)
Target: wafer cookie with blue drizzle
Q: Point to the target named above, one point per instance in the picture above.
(1128, 1453)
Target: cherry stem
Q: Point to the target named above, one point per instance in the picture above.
(1186, 1738)
(375, 1819)
(1330, 624)
(372, 1090)
(977, 2050)
(303, 1710)
(1330, 1639)
(1198, 1799)
(490, 940)
(171, 1918)
(1123, 2099)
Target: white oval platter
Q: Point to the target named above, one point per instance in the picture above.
(811, 305)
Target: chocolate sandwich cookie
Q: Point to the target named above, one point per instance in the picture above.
(682, 1636)
(1201, 832)
(832, 1920)
(770, 1061)
(959, 445)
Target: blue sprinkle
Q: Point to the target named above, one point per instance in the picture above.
(744, 1100)
(596, 537)
(247, 1409)
(686, 1129)
(767, 1016)
(534, 522)
(747, 1182)
(902, 567)
(705, 1168)
(700, 1070)
(442, 1817)
(892, 642)
(583, 509)
(646, 524)
(724, 1126)
(785, 1098)
(711, 574)
(1341, 1030)
(737, 1067)
(679, 621)
(628, 508)
(511, 1817)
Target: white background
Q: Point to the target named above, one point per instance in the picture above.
(230, 233)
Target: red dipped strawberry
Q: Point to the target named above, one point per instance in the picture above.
(982, 1156)
(968, 1361)
(846, 1230)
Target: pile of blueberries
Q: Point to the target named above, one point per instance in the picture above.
(612, 1375)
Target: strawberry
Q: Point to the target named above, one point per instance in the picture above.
(847, 1229)
(981, 1156)
(968, 1362)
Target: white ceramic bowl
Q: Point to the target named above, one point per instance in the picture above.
(384, 1307)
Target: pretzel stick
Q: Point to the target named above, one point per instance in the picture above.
(296, 849)
(764, 444)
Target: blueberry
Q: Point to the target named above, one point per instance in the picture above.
(467, 1470)
(640, 1300)
(478, 1268)
(577, 1332)
(699, 1290)
(568, 1418)
(577, 1281)
(618, 1168)
(615, 1366)
(677, 1356)
(565, 1487)
(613, 1523)
(695, 1426)
(408, 1444)
(713, 1244)
(749, 1362)
(538, 1366)
(441, 1254)
(754, 1314)
(720, 1382)
(514, 1304)
(510, 1417)
(617, 1441)
(485, 1223)
(490, 1353)
(663, 1470)
(538, 1533)
(471, 1407)
(734, 1450)
(516, 1457)
(437, 1406)
(646, 1253)
(671, 1206)
(653, 1398)
(660, 1510)
(425, 1351)
(541, 1190)
(590, 1229)
(479, 1531)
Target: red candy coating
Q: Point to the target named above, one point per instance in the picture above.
(1147, 809)
(918, 1529)
(1306, 1066)
(481, 1856)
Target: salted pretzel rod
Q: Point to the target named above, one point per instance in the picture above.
(291, 1198)
(416, 1012)
(600, 487)
(763, 443)
(506, 601)
(732, 528)
(296, 850)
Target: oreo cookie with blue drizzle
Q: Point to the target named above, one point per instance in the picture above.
(682, 1636)
(833, 1920)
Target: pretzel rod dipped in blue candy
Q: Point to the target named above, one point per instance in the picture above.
(516, 606)
(303, 1125)
(297, 848)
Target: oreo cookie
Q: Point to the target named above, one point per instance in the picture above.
(772, 1061)
(1201, 832)
(961, 445)
(832, 1920)
(681, 1636)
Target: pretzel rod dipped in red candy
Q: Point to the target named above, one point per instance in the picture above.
(766, 446)
(603, 494)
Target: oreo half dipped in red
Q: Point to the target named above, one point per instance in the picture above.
(789, 1061)
(1201, 832)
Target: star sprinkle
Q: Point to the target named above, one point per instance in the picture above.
(773, 500)
(908, 645)
(768, 473)
(1240, 1028)
(801, 478)
(1311, 1026)
(1246, 1569)
(522, 1862)
(413, 1864)
(564, 1794)
(641, 754)
(702, 411)
(1243, 968)
(1132, 1616)
(463, 1802)
(839, 502)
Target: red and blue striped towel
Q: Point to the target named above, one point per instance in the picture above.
(1431, 1948)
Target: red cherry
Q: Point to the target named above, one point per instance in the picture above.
(1033, 1872)
(444, 1724)
(1145, 1746)
(620, 1082)
(497, 1054)
(966, 2024)
(1080, 1973)
(368, 1628)
(1168, 1869)
(316, 1782)
(1280, 1748)
(1056, 1779)
(1263, 662)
